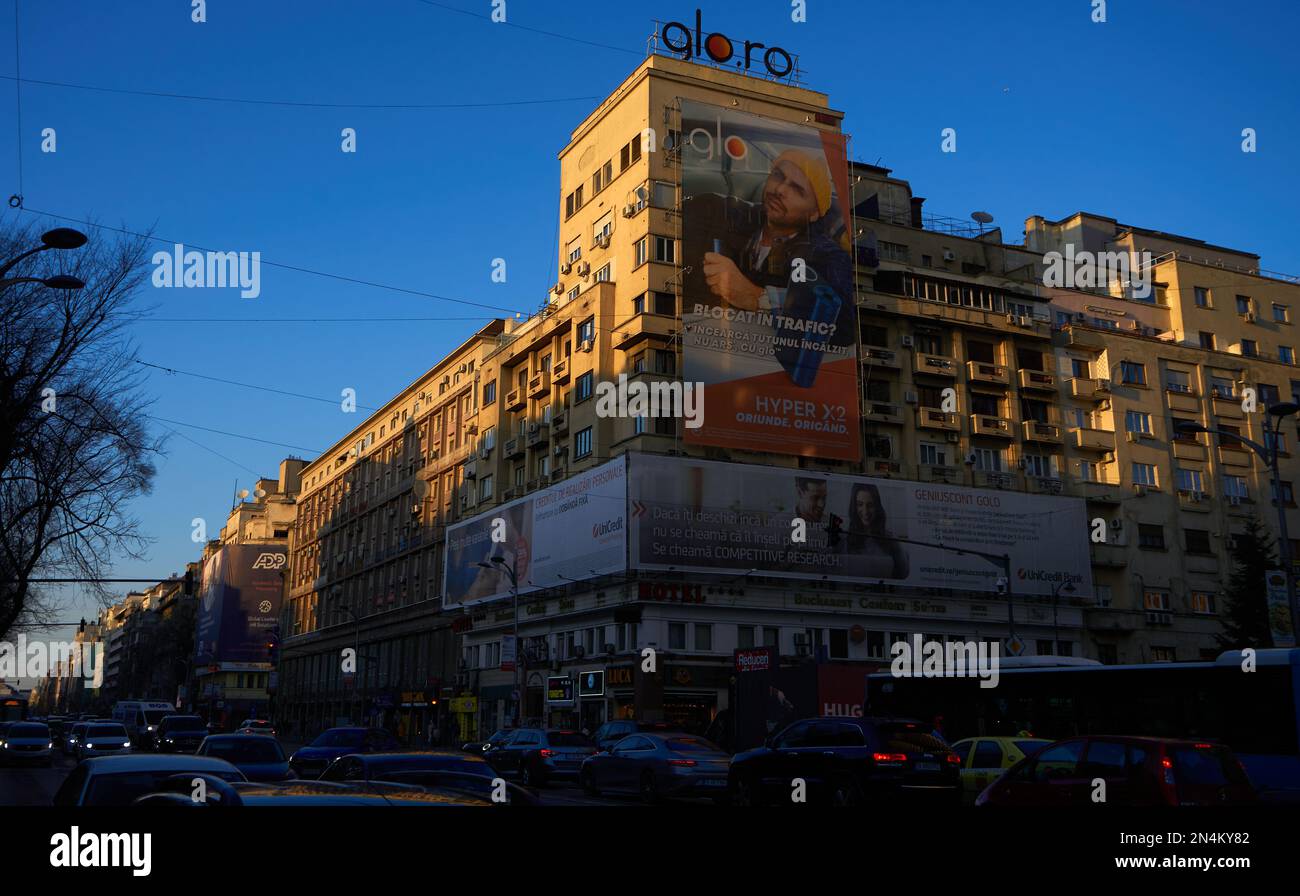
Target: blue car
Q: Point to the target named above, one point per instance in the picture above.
(260, 758)
(311, 760)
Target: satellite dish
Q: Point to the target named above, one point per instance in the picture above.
(259, 493)
(420, 488)
(243, 493)
(982, 217)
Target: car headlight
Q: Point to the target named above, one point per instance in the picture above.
(126, 743)
(50, 745)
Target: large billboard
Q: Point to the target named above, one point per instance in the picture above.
(574, 530)
(240, 605)
(737, 518)
(767, 300)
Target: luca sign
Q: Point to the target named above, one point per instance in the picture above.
(720, 48)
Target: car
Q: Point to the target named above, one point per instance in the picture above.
(615, 730)
(256, 726)
(59, 728)
(539, 755)
(260, 758)
(69, 745)
(25, 742)
(178, 792)
(102, 739)
(311, 760)
(847, 761)
(983, 759)
(141, 718)
(437, 769)
(658, 765)
(119, 780)
(179, 734)
(498, 737)
(1125, 771)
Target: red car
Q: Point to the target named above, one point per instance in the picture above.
(1136, 771)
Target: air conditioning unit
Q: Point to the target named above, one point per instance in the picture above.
(972, 457)
(954, 437)
(558, 289)
(911, 397)
(566, 268)
(602, 241)
(485, 452)
(1103, 385)
(1234, 500)
(584, 345)
(907, 341)
(1117, 524)
(629, 211)
(584, 268)
(560, 450)
(949, 255)
(533, 429)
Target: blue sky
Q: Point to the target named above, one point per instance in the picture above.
(1138, 118)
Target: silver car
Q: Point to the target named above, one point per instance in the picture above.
(25, 742)
(103, 739)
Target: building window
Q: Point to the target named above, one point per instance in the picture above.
(1280, 438)
(665, 250)
(677, 636)
(605, 273)
(1269, 394)
(1189, 480)
(1151, 536)
(771, 637)
(489, 393)
(638, 426)
(744, 636)
(1178, 381)
(574, 250)
(1288, 496)
(582, 389)
(582, 443)
(1080, 369)
(1144, 474)
(1162, 654)
(490, 437)
(1243, 304)
(639, 251)
(1198, 541)
(703, 637)
(988, 460)
(1044, 466)
(1235, 487)
(665, 303)
(1203, 603)
(1207, 341)
(587, 330)
(1286, 354)
(1249, 348)
(1202, 296)
(1281, 314)
(485, 488)
(839, 644)
(1132, 373)
(1137, 421)
(572, 202)
(934, 454)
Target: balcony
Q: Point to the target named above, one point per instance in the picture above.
(982, 425)
(882, 413)
(933, 418)
(1189, 449)
(1100, 492)
(1226, 406)
(560, 371)
(1193, 500)
(948, 475)
(1042, 432)
(539, 385)
(560, 422)
(981, 374)
(1085, 389)
(514, 448)
(994, 480)
(880, 357)
(1182, 400)
(558, 473)
(1235, 456)
(516, 400)
(1093, 439)
(939, 365)
(1036, 380)
(1113, 555)
(1081, 337)
(641, 327)
(537, 435)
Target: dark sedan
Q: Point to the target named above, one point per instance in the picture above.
(260, 758)
(179, 734)
(311, 760)
(538, 755)
(442, 770)
(845, 761)
(659, 765)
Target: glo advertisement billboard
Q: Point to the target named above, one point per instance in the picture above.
(574, 530)
(240, 603)
(768, 301)
(734, 518)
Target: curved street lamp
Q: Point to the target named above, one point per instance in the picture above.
(58, 238)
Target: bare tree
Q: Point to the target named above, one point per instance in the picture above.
(74, 446)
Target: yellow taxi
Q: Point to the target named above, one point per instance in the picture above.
(983, 759)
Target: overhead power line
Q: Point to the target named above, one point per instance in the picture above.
(216, 379)
(305, 105)
(508, 24)
(235, 435)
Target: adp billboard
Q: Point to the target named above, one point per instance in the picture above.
(574, 530)
(804, 524)
(769, 323)
(240, 603)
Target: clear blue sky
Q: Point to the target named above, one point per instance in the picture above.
(1138, 118)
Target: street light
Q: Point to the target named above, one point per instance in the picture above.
(58, 238)
(1066, 587)
(1268, 453)
(499, 562)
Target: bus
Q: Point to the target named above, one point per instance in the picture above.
(1255, 713)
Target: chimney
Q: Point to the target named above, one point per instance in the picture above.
(917, 202)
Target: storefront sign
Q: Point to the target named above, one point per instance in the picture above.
(755, 659)
(619, 676)
(670, 592)
(591, 683)
(559, 690)
(507, 653)
(464, 705)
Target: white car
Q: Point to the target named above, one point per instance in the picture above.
(25, 742)
(103, 739)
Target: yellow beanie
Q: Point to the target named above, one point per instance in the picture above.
(813, 169)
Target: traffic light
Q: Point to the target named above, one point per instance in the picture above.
(273, 646)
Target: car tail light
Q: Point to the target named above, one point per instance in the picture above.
(547, 754)
(1204, 746)
(681, 761)
(953, 759)
(889, 757)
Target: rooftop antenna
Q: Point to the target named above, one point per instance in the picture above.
(981, 218)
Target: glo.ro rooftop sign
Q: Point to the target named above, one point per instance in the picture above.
(721, 49)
